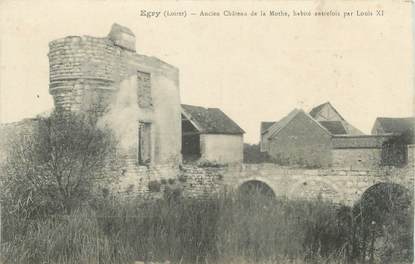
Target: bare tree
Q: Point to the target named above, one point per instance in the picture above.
(56, 167)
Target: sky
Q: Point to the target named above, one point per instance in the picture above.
(253, 68)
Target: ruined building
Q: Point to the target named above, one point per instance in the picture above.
(139, 98)
(137, 95)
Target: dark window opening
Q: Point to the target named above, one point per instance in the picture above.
(190, 141)
(144, 89)
(144, 143)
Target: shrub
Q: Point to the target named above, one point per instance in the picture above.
(55, 168)
(253, 154)
(182, 178)
(171, 181)
(172, 193)
(206, 163)
(154, 186)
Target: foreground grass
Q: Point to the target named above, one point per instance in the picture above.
(224, 229)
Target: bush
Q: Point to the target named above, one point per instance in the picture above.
(182, 178)
(56, 168)
(163, 181)
(209, 164)
(171, 181)
(154, 186)
(253, 154)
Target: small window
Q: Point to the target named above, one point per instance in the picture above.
(144, 143)
(144, 89)
(26, 138)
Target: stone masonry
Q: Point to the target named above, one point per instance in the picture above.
(344, 186)
(130, 91)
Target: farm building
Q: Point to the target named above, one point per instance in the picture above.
(208, 134)
(297, 139)
(323, 138)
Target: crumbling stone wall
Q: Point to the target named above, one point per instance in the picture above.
(106, 75)
(201, 181)
(340, 185)
(15, 131)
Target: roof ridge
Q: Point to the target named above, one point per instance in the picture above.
(211, 120)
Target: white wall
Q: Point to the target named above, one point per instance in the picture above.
(222, 148)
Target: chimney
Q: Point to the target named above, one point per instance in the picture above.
(122, 37)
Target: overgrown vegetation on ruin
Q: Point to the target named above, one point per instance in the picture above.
(58, 166)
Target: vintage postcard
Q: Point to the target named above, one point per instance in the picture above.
(206, 131)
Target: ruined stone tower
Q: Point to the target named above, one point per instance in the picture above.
(84, 71)
(137, 95)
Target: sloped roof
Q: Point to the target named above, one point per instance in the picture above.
(318, 108)
(335, 127)
(396, 125)
(211, 120)
(265, 125)
(350, 129)
(278, 126)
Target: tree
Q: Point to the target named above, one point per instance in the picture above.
(253, 154)
(395, 150)
(55, 168)
(385, 215)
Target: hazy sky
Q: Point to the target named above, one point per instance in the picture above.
(253, 68)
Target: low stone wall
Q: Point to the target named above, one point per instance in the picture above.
(357, 158)
(191, 180)
(344, 186)
(339, 185)
(201, 181)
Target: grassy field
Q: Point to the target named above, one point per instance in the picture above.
(227, 228)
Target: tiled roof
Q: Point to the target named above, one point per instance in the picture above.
(397, 125)
(335, 127)
(351, 130)
(278, 126)
(211, 120)
(265, 125)
(318, 108)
